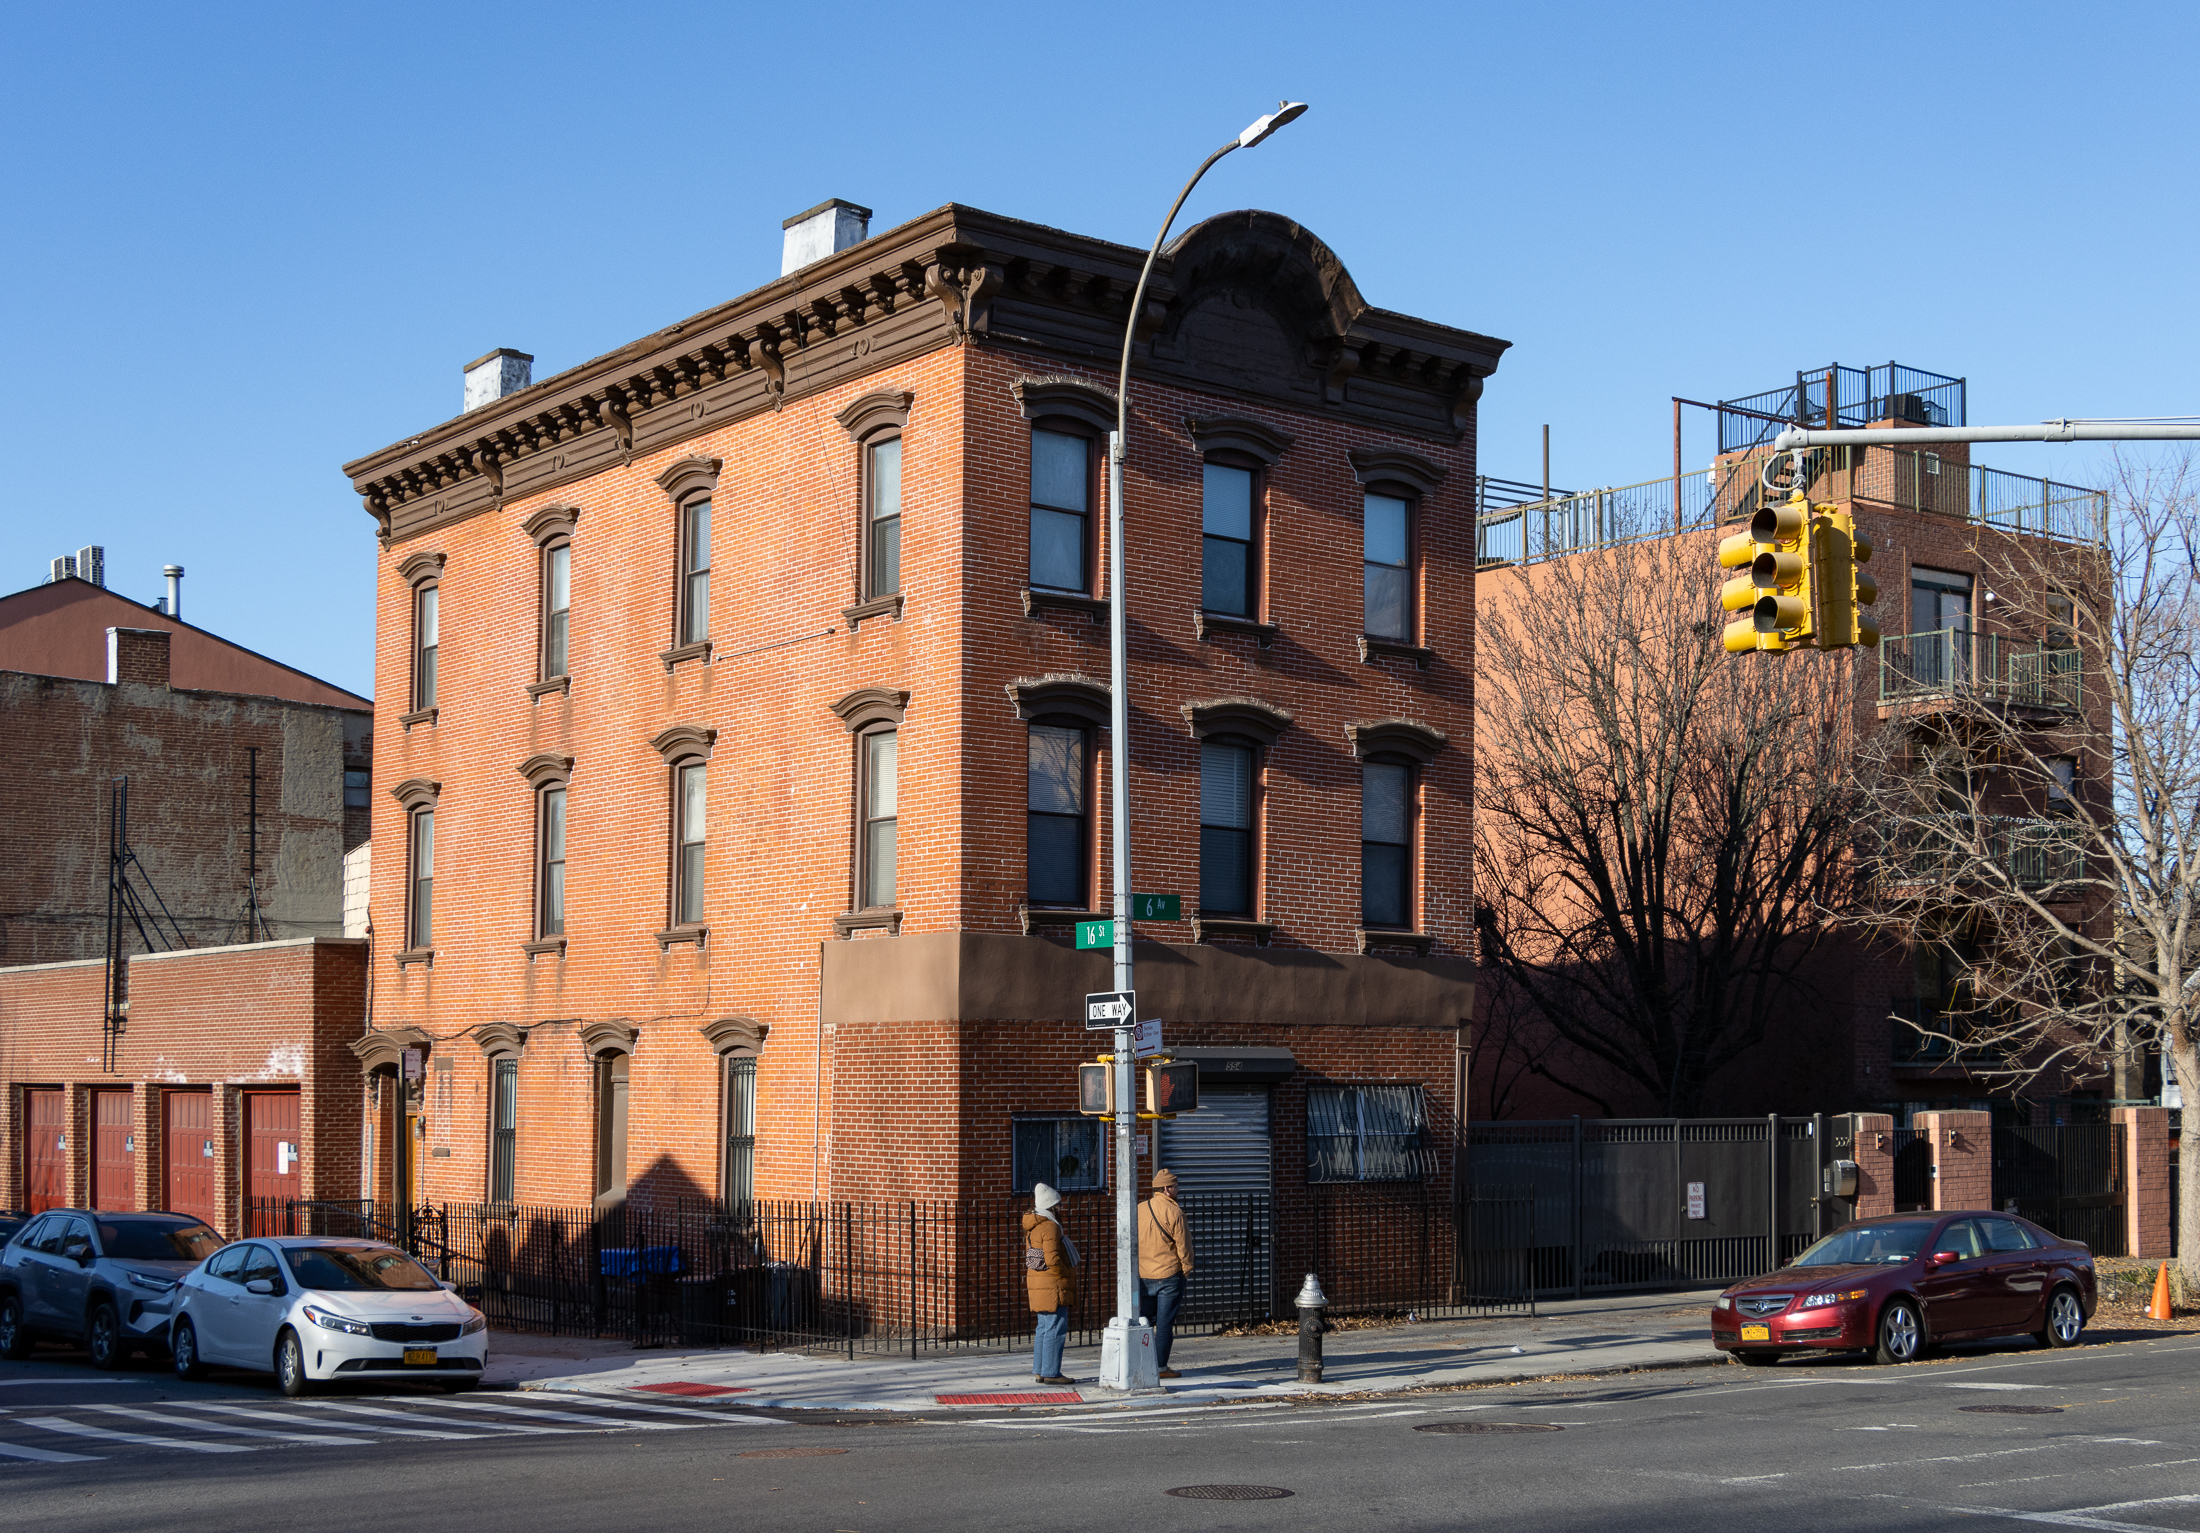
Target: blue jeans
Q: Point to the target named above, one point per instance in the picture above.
(1157, 1301)
(1046, 1342)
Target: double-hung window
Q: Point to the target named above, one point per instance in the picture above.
(690, 822)
(426, 601)
(420, 904)
(1386, 844)
(1061, 507)
(1227, 574)
(877, 798)
(557, 602)
(882, 516)
(1366, 1134)
(1386, 545)
(739, 1181)
(1057, 835)
(695, 570)
(550, 869)
(503, 1127)
(1225, 828)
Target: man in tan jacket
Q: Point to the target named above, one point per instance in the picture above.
(1164, 1262)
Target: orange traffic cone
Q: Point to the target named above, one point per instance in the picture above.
(2159, 1308)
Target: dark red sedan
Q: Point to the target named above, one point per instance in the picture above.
(1901, 1284)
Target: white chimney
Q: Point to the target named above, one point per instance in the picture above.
(828, 227)
(91, 564)
(503, 371)
(174, 607)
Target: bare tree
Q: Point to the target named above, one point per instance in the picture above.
(2036, 817)
(1659, 826)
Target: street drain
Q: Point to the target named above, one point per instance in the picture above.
(1231, 1492)
(792, 1452)
(2012, 1410)
(1476, 1428)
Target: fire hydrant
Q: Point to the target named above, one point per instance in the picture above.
(1311, 1302)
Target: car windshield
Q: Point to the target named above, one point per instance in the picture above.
(1880, 1245)
(340, 1268)
(146, 1240)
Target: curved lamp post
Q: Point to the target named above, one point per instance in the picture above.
(1117, 1366)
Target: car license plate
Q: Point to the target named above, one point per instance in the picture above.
(1749, 1333)
(424, 1357)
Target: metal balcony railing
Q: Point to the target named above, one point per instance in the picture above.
(2034, 851)
(1859, 396)
(1964, 663)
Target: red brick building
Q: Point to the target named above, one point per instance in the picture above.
(746, 725)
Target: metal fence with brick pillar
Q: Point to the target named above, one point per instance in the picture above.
(2148, 1181)
(1963, 1158)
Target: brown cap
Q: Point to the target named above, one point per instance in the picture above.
(1164, 1178)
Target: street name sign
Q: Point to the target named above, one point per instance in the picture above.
(1111, 1008)
(1157, 907)
(1092, 934)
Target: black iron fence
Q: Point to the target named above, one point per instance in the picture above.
(2067, 1178)
(1913, 1169)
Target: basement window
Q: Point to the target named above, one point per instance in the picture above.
(1065, 1153)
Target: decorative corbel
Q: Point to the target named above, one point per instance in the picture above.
(979, 285)
(943, 288)
(485, 462)
(1336, 362)
(764, 355)
(609, 411)
(1466, 389)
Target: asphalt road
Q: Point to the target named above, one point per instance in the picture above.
(2102, 1437)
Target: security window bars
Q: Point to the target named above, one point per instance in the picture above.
(1384, 547)
(1366, 1134)
(550, 876)
(880, 818)
(1061, 502)
(691, 811)
(1055, 826)
(1226, 522)
(1064, 1153)
(740, 1099)
(1226, 829)
(884, 519)
(557, 601)
(424, 647)
(1386, 845)
(420, 908)
(695, 572)
(503, 1127)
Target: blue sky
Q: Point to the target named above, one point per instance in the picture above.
(244, 244)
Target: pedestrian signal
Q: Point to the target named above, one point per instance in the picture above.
(1096, 1090)
(1775, 590)
(1172, 1088)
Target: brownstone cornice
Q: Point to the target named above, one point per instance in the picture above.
(955, 275)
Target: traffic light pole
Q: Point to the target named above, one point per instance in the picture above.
(2165, 429)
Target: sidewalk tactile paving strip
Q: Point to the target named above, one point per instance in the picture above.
(684, 1387)
(1069, 1398)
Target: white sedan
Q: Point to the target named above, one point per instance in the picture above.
(312, 1308)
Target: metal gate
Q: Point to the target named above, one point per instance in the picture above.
(2065, 1178)
(45, 1150)
(1222, 1157)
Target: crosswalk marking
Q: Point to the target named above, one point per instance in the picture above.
(222, 1426)
(599, 1422)
(349, 1426)
(139, 1439)
(46, 1455)
(377, 1410)
(662, 1410)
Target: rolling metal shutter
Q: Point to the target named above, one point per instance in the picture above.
(1222, 1157)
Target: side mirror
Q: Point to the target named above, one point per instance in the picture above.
(1942, 1258)
(79, 1252)
(446, 1285)
(260, 1286)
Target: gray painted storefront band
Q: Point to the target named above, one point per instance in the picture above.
(1240, 1067)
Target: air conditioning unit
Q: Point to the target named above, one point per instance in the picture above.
(1907, 407)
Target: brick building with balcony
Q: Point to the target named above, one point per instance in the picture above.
(746, 721)
(1884, 1025)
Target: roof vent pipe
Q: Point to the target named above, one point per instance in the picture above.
(174, 572)
(829, 227)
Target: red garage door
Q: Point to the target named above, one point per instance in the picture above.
(188, 1147)
(271, 1166)
(45, 1150)
(114, 1151)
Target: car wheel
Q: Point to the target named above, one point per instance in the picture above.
(2065, 1320)
(183, 1352)
(1756, 1359)
(1901, 1334)
(290, 1366)
(103, 1338)
(15, 1340)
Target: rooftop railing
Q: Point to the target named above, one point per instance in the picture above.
(1948, 663)
(1845, 396)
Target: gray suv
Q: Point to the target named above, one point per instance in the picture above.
(105, 1280)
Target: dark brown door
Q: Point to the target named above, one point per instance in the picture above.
(45, 1150)
(187, 1145)
(114, 1152)
(271, 1165)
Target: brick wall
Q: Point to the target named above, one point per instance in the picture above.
(1963, 1158)
(2148, 1169)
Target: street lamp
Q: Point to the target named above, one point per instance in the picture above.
(1117, 1366)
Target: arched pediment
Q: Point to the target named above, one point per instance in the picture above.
(1394, 465)
(1234, 433)
(872, 705)
(1079, 696)
(550, 522)
(1247, 716)
(691, 740)
(385, 1050)
(690, 476)
(613, 1037)
(1268, 260)
(1409, 738)
(425, 565)
(879, 410)
(735, 1035)
(500, 1038)
(1087, 403)
(546, 770)
(417, 793)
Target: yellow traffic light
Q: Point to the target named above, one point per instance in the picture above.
(1843, 590)
(1776, 592)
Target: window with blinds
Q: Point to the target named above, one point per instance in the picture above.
(503, 1128)
(1366, 1134)
(1226, 828)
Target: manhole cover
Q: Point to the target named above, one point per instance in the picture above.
(1477, 1428)
(792, 1452)
(2012, 1410)
(1232, 1492)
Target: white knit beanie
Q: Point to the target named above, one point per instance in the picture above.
(1044, 1197)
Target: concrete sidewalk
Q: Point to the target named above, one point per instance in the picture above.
(1586, 1336)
